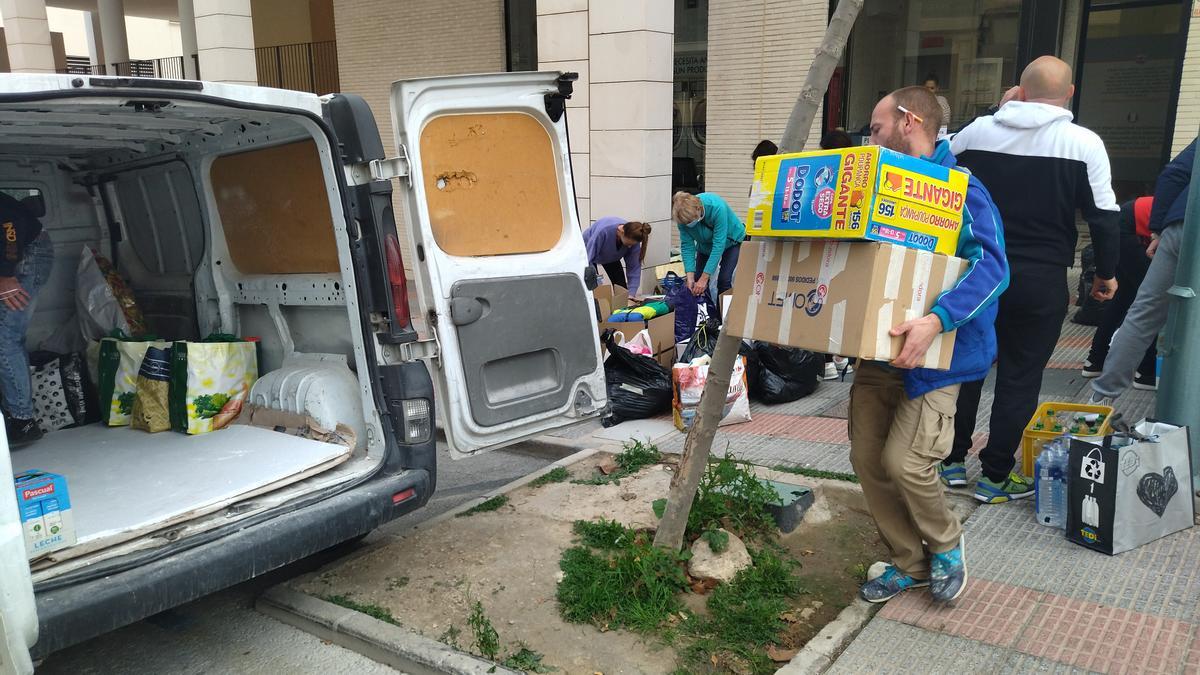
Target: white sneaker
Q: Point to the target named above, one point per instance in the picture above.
(842, 364)
(831, 372)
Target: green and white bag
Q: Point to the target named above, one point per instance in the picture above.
(119, 361)
(210, 381)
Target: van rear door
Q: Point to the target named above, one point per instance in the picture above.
(18, 614)
(500, 260)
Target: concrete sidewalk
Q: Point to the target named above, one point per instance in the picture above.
(1034, 600)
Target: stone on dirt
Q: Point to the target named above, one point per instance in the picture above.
(723, 566)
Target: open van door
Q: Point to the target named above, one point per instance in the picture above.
(500, 259)
(18, 614)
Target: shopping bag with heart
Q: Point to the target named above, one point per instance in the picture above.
(1126, 492)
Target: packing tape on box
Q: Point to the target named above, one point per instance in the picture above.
(785, 271)
(920, 287)
(765, 255)
(891, 287)
(837, 323)
(883, 338)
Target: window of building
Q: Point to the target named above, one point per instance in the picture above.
(520, 26)
(966, 49)
(689, 132)
(1126, 82)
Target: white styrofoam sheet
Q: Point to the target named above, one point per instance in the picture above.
(124, 482)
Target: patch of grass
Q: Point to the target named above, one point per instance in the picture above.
(556, 475)
(744, 615)
(859, 572)
(396, 583)
(603, 534)
(817, 473)
(487, 640)
(450, 636)
(527, 660)
(371, 610)
(634, 585)
(492, 504)
(731, 496)
(631, 460)
(718, 540)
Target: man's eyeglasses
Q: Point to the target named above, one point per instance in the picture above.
(906, 111)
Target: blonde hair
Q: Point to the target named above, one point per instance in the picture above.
(686, 208)
(639, 232)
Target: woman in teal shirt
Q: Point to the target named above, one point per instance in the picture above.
(710, 239)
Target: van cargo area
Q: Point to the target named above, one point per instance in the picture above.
(222, 220)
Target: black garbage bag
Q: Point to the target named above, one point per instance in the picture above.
(784, 374)
(703, 341)
(638, 386)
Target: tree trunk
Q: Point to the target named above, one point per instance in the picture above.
(698, 446)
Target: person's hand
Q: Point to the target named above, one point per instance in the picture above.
(635, 298)
(701, 285)
(12, 294)
(1103, 289)
(918, 335)
(1009, 95)
(1153, 247)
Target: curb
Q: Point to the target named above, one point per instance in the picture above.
(378, 640)
(819, 654)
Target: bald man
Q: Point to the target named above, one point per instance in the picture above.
(1040, 168)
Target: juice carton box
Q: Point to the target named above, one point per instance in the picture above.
(858, 193)
(45, 507)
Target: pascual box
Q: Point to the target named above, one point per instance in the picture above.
(45, 507)
(839, 297)
(858, 193)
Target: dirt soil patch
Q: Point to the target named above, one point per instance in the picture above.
(508, 561)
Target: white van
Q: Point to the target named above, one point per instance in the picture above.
(254, 211)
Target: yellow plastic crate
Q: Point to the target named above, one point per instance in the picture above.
(1041, 428)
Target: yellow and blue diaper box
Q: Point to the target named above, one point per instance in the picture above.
(865, 192)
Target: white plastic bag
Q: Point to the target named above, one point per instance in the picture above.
(689, 379)
(640, 344)
(97, 307)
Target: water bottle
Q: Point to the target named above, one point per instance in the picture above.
(1050, 484)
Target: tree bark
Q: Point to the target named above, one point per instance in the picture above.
(698, 446)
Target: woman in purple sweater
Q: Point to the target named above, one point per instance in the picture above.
(610, 240)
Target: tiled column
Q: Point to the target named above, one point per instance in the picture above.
(631, 44)
(28, 36)
(562, 32)
(225, 41)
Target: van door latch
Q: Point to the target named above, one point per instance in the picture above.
(418, 350)
(392, 167)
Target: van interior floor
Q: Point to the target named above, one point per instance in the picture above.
(124, 483)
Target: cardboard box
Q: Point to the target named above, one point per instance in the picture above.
(839, 297)
(45, 508)
(858, 193)
(662, 331)
(610, 298)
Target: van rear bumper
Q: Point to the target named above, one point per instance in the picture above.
(75, 613)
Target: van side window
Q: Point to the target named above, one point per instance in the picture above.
(30, 197)
(491, 184)
(274, 210)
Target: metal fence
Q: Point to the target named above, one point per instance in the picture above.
(308, 66)
(167, 68)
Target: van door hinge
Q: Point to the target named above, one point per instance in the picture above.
(380, 169)
(418, 350)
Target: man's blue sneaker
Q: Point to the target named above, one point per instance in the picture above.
(1015, 486)
(948, 574)
(888, 585)
(953, 474)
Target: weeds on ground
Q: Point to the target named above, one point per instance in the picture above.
(487, 640)
(635, 456)
(627, 583)
(859, 572)
(371, 610)
(817, 473)
(744, 615)
(450, 636)
(492, 504)
(729, 496)
(718, 540)
(527, 660)
(556, 475)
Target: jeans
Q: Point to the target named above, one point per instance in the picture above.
(725, 269)
(32, 273)
(1145, 318)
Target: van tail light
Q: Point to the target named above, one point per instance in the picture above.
(398, 282)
